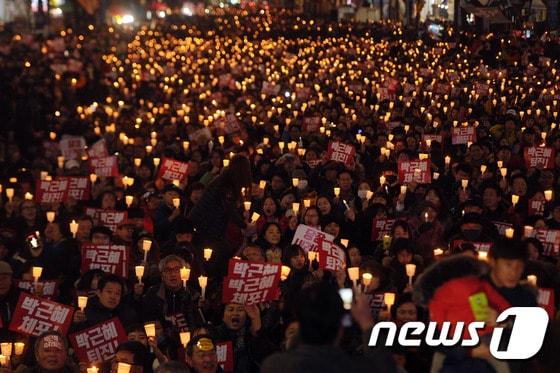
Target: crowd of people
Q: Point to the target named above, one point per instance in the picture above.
(430, 163)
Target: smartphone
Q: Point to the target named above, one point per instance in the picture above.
(347, 296)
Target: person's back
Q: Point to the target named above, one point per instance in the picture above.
(320, 314)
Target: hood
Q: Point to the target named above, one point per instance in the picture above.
(437, 274)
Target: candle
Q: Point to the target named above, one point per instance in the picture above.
(447, 160)
(19, 347)
(92, 370)
(185, 338)
(247, 205)
(410, 271)
(369, 194)
(438, 252)
(207, 253)
(82, 302)
(6, 348)
(403, 189)
(185, 273)
(36, 271)
(295, 182)
(74, 228)
(60, 161)
(514, 199)
(139, 273)
(285, 273)
(389, 299)
(28, 196)
(176, 202)
(150, 330)
(311, 256)
(128, 200)
(527, 231)
(503, 171)
(225, 162)
(50, 216)
(123, 368)
(482, 168)
(93, 178)
(547, 195)
(146, 246)
(509, 232)
(262, 184)
(336, 191)
(307, 203)
(354, 274)
(203, 281)
(185, 145)
(464, 183)
(483, 255)
(500, 164)
(366, 278)
(344, 242)
(255, 217)
(532, 280)
(10, 193)
(3, 360)
(382, 180)
(156, 161)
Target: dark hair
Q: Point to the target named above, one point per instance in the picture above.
(507, 248)
(141, 354)
(173, 367)
(194, 341)
(109, 278)
(402, 299)
(236, 176)
(402, 244)
(290, 252)
(319, 313)
(404, 225)
(535, 242)
(135, 328)
(84, 283)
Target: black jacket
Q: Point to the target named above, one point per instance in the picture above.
(96, 313)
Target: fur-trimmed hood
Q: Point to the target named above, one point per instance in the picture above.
(447, 269)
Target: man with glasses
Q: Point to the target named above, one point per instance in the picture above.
(170, 300)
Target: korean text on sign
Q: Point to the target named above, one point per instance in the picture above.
(78, 187)
(34, 316)
(341, 152)
(416, 170)
(171, 170)
(51, 191)
(106, 166)
(251, 283)
(463, 135)
(98, 343)
(109, 258)
(331, 257)
(539, 157)
(308, 237)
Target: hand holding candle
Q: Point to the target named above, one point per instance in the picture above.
(139, 273)
(185, 275)
(410, 271)
(82, 303)
(203, 281)
(285, 273)
(207, 253)
(74, 228)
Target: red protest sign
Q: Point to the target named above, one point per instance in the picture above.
(341, 152)
(536, 206)
(415, 170)
(34, 316)
(72, 147)
(311, 124)
(550, 238)
(308, 238)
(463, 135)
(78, 187)
(49, 287)
(501, 227)
(51, 191)
(545, 299)
(108, 218)
(251, 283)
(109, 258)
(381, 227)
(98, 343)
(432, 138)
(331, 257)
(539, 157)
(98, 150)
(224, 350)
(106, 166)
(173, 170)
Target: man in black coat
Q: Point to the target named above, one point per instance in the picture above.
(320, 315)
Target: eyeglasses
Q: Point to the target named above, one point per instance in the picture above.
(171, 269)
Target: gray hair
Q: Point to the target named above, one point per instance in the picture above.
(171, 258)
